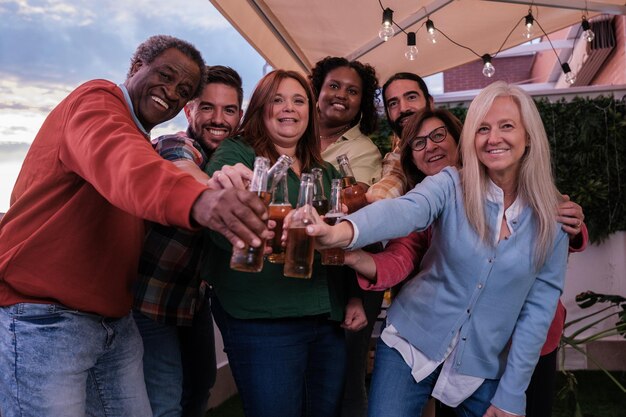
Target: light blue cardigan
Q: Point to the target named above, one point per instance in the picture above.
(490, 294)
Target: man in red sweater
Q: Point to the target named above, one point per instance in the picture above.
(71, 240)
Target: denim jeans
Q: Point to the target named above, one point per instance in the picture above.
(60, 362)
(394, 392)
(289, 367)
(179, 364)
(162, 367)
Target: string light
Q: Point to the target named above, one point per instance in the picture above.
(570, 78)
(529, 20)
(386, 31)
(411, 50)
(588, 34)
(432, 33)
(488, 68)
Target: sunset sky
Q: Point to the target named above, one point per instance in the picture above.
(49, 47)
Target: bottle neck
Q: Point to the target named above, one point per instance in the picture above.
(305, 196)
(335, 199)
(259, 175)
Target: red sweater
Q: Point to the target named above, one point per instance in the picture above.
(74, 231)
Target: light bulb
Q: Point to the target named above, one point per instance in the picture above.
(385, 33)
(570, 78)
(386, 30)
(529, 20)
(411, 53)
(432, 33)
(588, 34)
(488, 68)
(411, 50)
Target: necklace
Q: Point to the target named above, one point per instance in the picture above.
(343, 130)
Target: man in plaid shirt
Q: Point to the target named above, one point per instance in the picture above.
(404, 94)
(171, 310)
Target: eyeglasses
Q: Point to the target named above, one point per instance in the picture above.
(437, 136)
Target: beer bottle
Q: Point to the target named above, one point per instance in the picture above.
(353, 193)
(334, 256)
(299, 258)
(278, 209)
(278, 171)
(250, 259)
(320, 202)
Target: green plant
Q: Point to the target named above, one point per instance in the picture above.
(615, 310)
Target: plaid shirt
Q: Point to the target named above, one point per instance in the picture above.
(168, 287)
(393, 182)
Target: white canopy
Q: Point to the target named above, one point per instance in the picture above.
(294, 34)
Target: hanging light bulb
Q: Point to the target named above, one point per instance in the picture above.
(570, 78)
(432, 33)
(411, 49)
(588, 34)
(386, 31)
(488, 68)
(529, 20)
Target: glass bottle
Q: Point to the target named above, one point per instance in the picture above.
(278, 171)
(299, 257)
(320, 202)
(278, 210)
(353, 193)
(248, 258)
(334, 256)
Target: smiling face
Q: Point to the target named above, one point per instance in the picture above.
(214, 115)
(160, 89)
(287, 115)
(501, 140)
(340, 97)
(435, 156)
(403, 98)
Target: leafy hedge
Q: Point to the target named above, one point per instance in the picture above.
(588, 142)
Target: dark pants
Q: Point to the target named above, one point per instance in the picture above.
(197, 349)
(357, 346)
(179, 364)
(540, 392)
(287, 367)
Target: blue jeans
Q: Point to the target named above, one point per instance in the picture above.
(60, 362)
(394, 392)
(179, 364)
(290, 367)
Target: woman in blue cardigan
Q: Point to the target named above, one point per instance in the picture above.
(469, 327)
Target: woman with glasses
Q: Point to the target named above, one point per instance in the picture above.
(469, 327)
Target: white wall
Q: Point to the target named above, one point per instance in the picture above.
(601, 269)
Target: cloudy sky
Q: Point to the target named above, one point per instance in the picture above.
(49, 47)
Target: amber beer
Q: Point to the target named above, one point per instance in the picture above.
(299, 260)
(333, 256)
(249, 258)
(353, 193)
(299, 253)
(278, 212)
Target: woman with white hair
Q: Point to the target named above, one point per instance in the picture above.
(469, 327)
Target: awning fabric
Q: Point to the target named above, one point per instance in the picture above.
(294, 34)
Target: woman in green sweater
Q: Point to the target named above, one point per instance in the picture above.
(283, 336)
